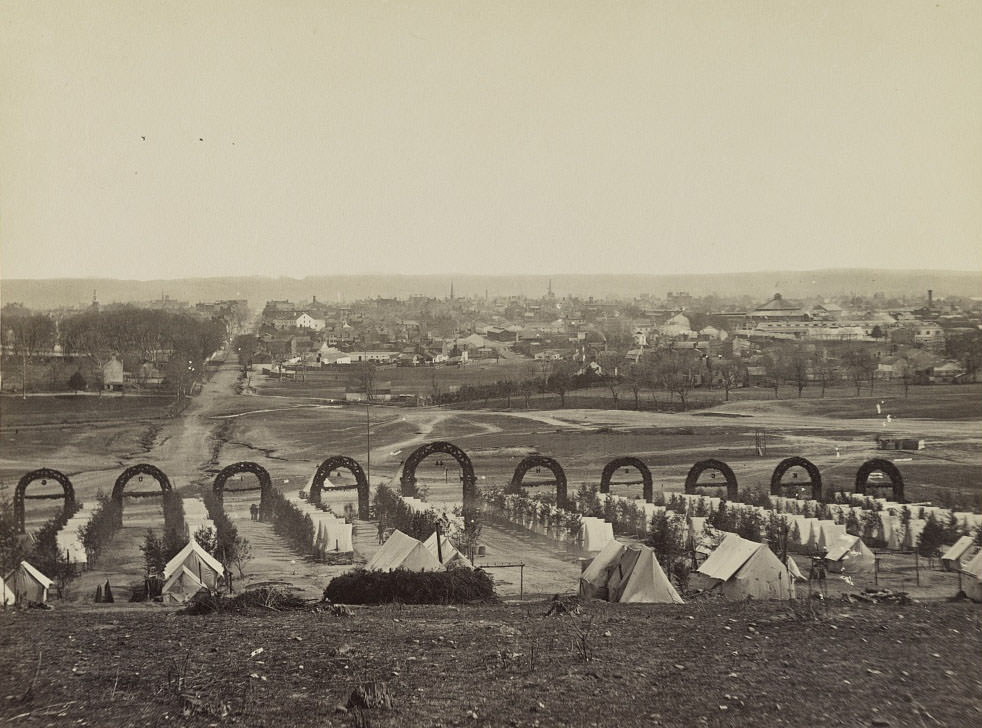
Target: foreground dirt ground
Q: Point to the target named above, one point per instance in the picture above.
(702, 664)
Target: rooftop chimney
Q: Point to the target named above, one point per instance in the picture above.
(930, 297)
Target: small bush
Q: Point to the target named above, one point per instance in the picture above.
(454, 586)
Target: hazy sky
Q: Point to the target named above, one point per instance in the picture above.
(167, 139)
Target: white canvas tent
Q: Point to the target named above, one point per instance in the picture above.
(849, 555)
(28, 584)
(597, 533)
(746, 569)
(972, 579)
(961, 551)
(181, 586)
(206, 568)
(403, 552)
(627, 574)
(828, 532)
(451, 556)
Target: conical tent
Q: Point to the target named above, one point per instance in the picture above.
(849, 555)
(403, 552)
(648, 583)
(621, 571)
(593, 580)
(627, 574)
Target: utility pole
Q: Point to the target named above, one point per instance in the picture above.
(368, 442)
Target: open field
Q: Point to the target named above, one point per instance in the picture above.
(331, 382)
(711, 663)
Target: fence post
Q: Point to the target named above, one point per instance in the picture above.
(876, 570)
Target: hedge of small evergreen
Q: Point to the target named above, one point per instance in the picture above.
(453, 586)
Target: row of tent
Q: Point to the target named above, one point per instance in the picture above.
(740, 569)
(330, 532)
(815, 534)
(965, 520)
(401, 551)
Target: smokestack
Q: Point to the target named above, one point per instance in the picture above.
(930, 297)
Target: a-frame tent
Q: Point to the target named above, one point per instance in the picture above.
(960, 552)
(28, 585)
(972, 585)
(747, 569)
(403, 552)
(849, 555)
(181, 586)
(7, 598)
(452, 558)
(199, 562)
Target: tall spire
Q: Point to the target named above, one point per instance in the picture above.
(451, 289)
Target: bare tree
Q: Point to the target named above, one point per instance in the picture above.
(638, 375)
(859, 364)
(30, 335)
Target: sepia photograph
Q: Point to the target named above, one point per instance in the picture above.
(521, 363)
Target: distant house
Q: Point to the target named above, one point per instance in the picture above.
(948, 372)
(306, 321)
(112, 375)
(779, 309)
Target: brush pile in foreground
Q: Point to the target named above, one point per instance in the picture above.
(454, 586)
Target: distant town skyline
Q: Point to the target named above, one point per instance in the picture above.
(198, 139)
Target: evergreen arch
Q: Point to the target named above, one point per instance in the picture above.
(815, 477)
(264, 487)
(334, 463)
(610, 468)
(887, 468)
(407, 482)
(542, 461)
(729, 477)
(43, 474)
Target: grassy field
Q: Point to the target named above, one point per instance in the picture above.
(706, 663)
(331, 382)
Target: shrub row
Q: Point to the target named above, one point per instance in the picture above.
(393, 512)
(291, 523)
(99, 531)
(453, 586)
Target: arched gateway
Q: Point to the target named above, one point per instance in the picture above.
(882, 466)
(264, 487)
(341, 461)
(541, 461)
(729, 480)
(628, 462)
(44, 475)
(408, 480)
(814, 477)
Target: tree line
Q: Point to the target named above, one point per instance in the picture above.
(175, 343)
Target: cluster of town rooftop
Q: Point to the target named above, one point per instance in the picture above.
(906, 336)
(919, 338)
